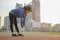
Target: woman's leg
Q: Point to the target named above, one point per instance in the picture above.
(15, 23)
(11, 21)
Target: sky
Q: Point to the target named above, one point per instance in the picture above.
(49, 9)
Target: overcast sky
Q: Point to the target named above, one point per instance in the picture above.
(49, 12)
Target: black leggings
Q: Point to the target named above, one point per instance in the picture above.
(13, 20)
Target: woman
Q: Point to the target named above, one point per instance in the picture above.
(18, 13)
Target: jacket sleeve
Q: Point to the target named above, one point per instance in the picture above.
(22, 22)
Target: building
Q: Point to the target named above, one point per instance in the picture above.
(56, 27)
(6, 23)
(34, 15)
(46, 26)
(0, 21)
(36, 10)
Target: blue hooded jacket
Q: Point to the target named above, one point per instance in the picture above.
(19, 13)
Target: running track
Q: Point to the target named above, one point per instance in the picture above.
(30, 37)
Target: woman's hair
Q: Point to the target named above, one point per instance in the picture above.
(27, 8)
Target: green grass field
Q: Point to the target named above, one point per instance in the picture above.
(36, 33)
(43, 33)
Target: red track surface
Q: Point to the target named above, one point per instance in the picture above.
(31, 37)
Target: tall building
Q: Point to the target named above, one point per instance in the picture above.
(0, 21)
(34, 15)
(36, 10)
(6, 23)
(35, 5)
